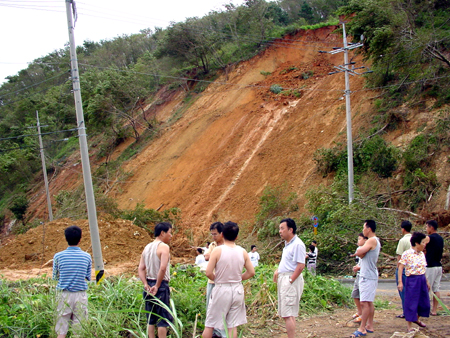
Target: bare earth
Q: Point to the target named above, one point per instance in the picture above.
(340, 324)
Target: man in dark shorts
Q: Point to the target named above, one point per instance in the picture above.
(154, 272)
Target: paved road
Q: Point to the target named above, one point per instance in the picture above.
(388, 287)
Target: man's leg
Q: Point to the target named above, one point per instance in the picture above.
(290, 326)
(358, 305)
(207, 332)
(435, 303)
(232, 333)
(369, 322)
(400, 293)
(151, 331)
(162, 332)
(365, 312)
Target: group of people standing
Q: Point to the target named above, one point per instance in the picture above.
(419, 270)
(225, 299)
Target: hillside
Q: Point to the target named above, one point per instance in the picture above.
(213, 159)
(238, 137)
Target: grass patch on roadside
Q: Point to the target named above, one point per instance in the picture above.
(116, 307)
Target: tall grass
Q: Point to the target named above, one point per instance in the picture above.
(116, 307)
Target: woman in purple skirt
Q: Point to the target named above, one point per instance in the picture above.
(417, 300)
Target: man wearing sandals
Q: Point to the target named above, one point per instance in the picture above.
(368, 278)
(433, 255)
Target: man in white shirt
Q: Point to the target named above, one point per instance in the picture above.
(288, 276)
(200, 259)
(254, 256)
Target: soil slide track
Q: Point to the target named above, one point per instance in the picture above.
(238, 136)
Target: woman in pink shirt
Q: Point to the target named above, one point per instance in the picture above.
(417, 300)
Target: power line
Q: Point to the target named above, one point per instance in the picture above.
(33, 85)
(48, 133)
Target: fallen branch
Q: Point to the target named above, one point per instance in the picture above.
(403, 212)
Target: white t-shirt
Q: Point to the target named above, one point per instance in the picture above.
(200, 259)
(293, 253)
(254, 257)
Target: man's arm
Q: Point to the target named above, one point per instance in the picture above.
(215, 255)
(55, 273)
(298, 270)
(249, 268)
(89, 270)
(275, 276)
(208, 252)
(141, 272)
(370, 244)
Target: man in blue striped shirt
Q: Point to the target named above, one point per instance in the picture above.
(72, 269)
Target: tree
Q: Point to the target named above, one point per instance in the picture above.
(19, 207)
(407, 41)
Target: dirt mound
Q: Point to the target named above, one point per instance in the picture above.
(122, 244)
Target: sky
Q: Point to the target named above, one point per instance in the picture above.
(30, 29)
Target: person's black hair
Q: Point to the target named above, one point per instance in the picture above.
(432, 223)
(163, 226)
(73, 235)
(312, 248)
(361, 235)
(253, 246)
(406, 225)
(290, 224)
(200, 250)
(208, 243)
(371, 224)
(218, 226)
(315, 242)
(230, 231)
(416, 238)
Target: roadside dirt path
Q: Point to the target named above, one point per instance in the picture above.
(340, 324)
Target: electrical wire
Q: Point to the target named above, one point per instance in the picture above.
(48, 133)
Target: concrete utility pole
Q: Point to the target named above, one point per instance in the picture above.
(44, 169)
(88, 187)
(345, 68)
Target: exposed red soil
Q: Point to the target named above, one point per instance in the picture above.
(236, 138)
(30, 254)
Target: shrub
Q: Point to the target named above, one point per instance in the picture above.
(273, 204)
(307, 74)
(19, 207)
(276, 89)
(143, 217)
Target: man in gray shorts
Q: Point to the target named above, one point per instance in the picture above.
(368, 277)
(288, 276)
(434, 250)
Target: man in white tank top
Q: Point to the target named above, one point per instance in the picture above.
(154, 272)
(227, 298)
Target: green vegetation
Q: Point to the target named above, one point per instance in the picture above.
(274, 202)
(143, 217)
(119, 77)
(116, 308)
(276, 89)
(374, 154)
(407, 44)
